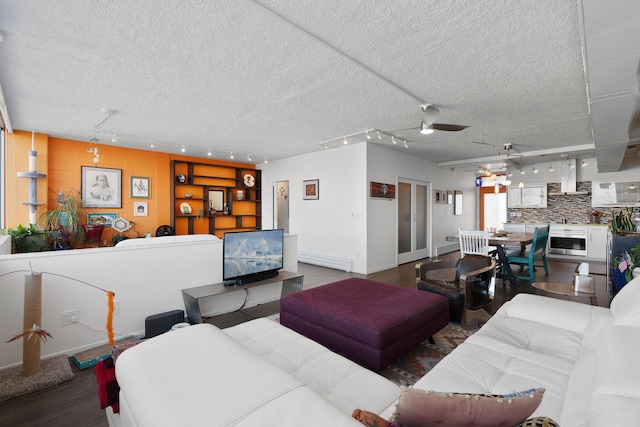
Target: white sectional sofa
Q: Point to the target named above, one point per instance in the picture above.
(256, 373)
(586, 357)
(260, 373)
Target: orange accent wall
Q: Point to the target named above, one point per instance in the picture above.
(62, 159)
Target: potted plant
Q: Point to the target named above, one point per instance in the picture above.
(28, 239)
(58, 239)
(622, 222)
(65, 217)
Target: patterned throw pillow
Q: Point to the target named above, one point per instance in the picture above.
(370, 419)
(539, 422)
(420, 408)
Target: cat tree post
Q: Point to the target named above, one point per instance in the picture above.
(32, 316)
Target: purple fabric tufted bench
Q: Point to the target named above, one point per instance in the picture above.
(368, 322)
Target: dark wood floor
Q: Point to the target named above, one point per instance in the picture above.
(75, 403)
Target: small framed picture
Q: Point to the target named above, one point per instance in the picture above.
(101, 187)
(140, 209)
(101, 218)
(382, 190)
(310, 189)
(140, 187)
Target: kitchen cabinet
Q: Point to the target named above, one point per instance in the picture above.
(597, 242)
(529, 196)
(514, 227)
(614, 193)
(521, 227)
(530, 228)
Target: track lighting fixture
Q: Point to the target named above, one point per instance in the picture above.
(209, 152)
(152, 145)
(393, 139)
(231, 155)
(345, 142)
(535, 170)
(266, 160)
(183, 149)
(368, 136)
(522, 172)
(248, 158)
(583, 163)
(551, 169)
(114, 139)
(406, 145)
(378, 135)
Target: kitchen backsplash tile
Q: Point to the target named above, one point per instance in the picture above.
(573, 208)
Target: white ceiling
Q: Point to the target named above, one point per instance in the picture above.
(275, 78)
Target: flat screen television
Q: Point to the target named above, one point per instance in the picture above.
(250, 256)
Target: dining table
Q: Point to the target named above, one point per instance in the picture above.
(502, 241)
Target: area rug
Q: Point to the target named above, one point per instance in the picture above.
(53, 371)
(413, 365)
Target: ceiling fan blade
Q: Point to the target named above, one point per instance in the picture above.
(448, 128)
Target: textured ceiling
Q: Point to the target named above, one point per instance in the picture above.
(274, 78)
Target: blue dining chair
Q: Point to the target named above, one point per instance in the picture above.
(532, 255)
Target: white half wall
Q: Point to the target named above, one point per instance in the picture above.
(146, 280)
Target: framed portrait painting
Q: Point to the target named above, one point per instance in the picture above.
(101, 187)
(140, 187)
(310, 190)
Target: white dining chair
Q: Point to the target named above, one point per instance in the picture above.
(474, 242)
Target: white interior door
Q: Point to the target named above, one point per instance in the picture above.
(281, 205)
(413, 224)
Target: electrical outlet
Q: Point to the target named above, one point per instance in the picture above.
(116, 307)
(69, 317)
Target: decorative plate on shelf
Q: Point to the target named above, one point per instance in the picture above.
(249, 179)
(181, 179)
(185, 208)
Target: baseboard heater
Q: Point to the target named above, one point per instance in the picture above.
(445, 249)
(325, 261)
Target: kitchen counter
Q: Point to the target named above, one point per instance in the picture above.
(582, 242)
(538, 224)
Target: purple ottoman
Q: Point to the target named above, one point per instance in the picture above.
(368, 322)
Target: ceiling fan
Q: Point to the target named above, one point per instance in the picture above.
(430, 113)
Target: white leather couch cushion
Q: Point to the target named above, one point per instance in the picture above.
(554, 312)
(615, 395)
(624, 306)
(343, 383)
(199, 376)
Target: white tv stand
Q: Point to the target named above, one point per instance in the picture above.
(291, 283)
